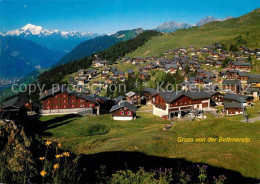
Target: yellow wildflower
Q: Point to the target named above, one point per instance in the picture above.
(55, 166)
(66, 154)
(43, 173)
(59, 145)
(42, 158)
(47, 143)
(58, 156)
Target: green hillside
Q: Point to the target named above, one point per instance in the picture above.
(248, 26)
(98, 44)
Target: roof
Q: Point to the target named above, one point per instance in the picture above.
(169, 97)
(130, 93)
(236, 97)
(124, 104)
(117, 99)
(253, 80)
(253, 89)
(152, 91)
(16, 102)
(53, 91)
(241, 63)
(243, 74)
(58, 89)
(233, 105)
(231, 82)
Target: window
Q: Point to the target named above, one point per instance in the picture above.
(129, 113)
(64, 96)
(122, 112)
(65, 106)
(64, 101)
(57, 107)
(56, 96)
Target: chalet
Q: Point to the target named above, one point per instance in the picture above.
(171, 68)
(215, 54)
(144, 76)
(99, 63)
(123, 111)
(149, 92)
(168, 104)
(15, 108)
(198, 79)
(139, 60)
(216, 98)
(130, 73)
(233, 108)
(231, 85)
(59, 100)
(196, 67)
(240, 59)
(241, 66)
(254, 82)
(81, 72)
(236, 98)
(258, 56)
(133, 98)
(207, 81)
(243, 76)
(232, 74)
(253, 91)
(223, 74)
(104, 75)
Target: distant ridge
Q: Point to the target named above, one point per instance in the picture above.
(53, 39)
(169, 27)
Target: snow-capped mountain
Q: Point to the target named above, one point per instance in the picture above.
(210, 19)
(52, 39)
(169, 27)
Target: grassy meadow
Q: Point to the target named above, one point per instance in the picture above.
(146, 134)
(247, 25)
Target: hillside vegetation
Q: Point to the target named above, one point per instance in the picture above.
(247, 26)
(146, 135)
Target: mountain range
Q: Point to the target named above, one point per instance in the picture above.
(53, 39)
(19, 57)
(98, 44)
(169, 27)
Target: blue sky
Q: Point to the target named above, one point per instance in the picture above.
(109, 16)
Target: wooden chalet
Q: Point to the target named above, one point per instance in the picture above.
(148, 93)
(231, 85)
(237, 98)
(241, 66)
(133, 98)
(233, 108)
(60, 100)
(169, 104)
(15, 108)
(123, 111)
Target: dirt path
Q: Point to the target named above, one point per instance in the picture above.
(252, 120)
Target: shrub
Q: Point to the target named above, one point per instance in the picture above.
(97, 129)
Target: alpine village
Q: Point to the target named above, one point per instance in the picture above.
(179, 107)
